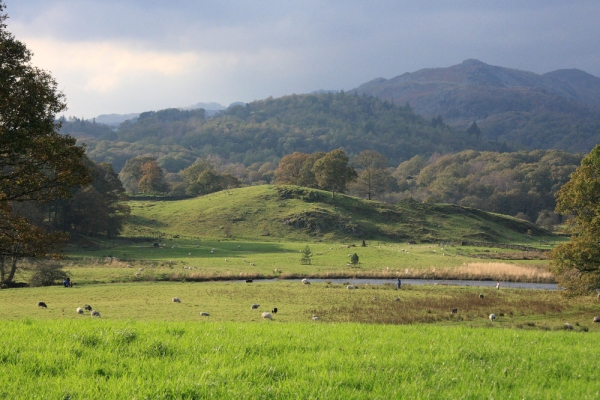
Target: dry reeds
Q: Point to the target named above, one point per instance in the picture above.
(504, 272)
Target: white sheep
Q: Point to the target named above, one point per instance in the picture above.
(568, 326)
(350, 287)
(315, 318)
(204, 314)
(596, 319)
(305, 281)
(176, 300)
(267, 315)
(492, 317)
(95, 313)
(79, 310)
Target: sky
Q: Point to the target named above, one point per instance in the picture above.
(128, 56)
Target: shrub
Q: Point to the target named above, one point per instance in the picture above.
(46, 274)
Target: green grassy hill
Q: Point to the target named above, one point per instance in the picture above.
(300, 214)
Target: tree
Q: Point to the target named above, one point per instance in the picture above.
(36, 162)
(132, 173)
(354, 259)
(332, 171)
(153, 178)
(474, 130)
(290, 167)
(576, 264)
(306, 255)
(372, 175)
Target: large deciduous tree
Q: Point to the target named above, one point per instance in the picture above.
(289, 171)
(332, 171)
(372, 175)
(577, 263)
(36, 162)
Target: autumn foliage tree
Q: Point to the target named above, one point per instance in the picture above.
(36, 162)
(576, 264)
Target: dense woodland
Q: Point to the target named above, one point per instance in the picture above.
(266, 130)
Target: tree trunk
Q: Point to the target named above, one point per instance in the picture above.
(2, 272)
(13, 269)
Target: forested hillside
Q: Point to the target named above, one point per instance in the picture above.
(267, 130)
(521, 184)
(558, 110)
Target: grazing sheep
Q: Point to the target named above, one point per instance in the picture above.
(568, 326)
(597, 319)
(87, 307)
(454, 311)
(492, 317)
(375, 298)
(95, 313)
(176, 300)
(480, 295)
(253, 264)
(42, 304)
(274, 310)
(248, 280)
(255, 306)
(204, 314)
(267, 315)
(316, 318)
(350, 287)
(397, 299)
(306, 281)
(79, 310)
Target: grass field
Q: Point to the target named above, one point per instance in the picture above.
(101, 359)
(371, 342)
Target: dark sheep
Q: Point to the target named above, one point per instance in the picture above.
(255, 306)
(248, 280)
(42, 304)
(274, 310)
(480, 296)
(454, 311)
(87, 307)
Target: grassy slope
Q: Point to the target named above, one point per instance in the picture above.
(300, 214)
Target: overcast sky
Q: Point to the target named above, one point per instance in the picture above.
(124, 56)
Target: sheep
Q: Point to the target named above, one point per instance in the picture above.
(95, 313)
(315, 318)
(248, 280)
(204, 314)
(454, 311)
(79, 310)
(492, 317)
(305, 281)
(568, 326)
(253, 264)
(267, 315)
(42, 304)
(274, 310)
(375, 298)
(397, 299)
(87, 307)
(480, 295)
(350, 287)
(596, 319)
(255, 306)
(176, 300)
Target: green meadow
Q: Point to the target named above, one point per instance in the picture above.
(325, 340)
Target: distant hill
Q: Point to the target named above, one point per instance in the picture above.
(557, 110)
(115, 120)
(267, 130)
(297, 213)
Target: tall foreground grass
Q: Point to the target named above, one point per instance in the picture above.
(101, 359)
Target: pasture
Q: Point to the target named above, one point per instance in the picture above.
(198, 260)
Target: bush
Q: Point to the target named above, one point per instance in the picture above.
(46, 274)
